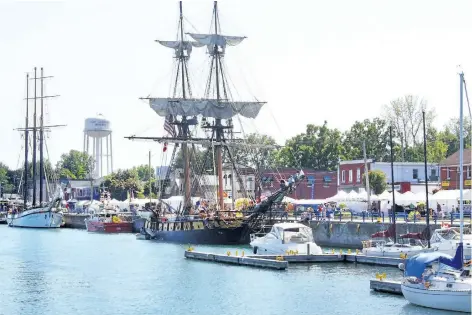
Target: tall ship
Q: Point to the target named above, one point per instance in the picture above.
(206, 217)
(41, 212)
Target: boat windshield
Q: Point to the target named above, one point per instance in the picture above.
(298, 235)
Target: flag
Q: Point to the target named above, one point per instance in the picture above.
(164, 149)
(169, 127)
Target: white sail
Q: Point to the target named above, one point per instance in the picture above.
(210, 40)
(175, 44)
(205, 107)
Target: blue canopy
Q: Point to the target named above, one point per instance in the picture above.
(415, 266)
(457, 261)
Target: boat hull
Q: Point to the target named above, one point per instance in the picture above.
(105, 227)
(377, 252)
(282, 249)
(35, 218)
(459, 301)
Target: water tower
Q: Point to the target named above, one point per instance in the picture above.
(98, 129)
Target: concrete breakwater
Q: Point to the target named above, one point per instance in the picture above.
(351, 234)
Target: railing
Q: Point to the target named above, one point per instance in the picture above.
(366, 217)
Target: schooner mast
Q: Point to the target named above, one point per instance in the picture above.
(218, 109)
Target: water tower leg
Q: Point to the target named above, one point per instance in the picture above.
(85, 136)
(111, 154)
(87, 144)
(101, 157)
(108, 156)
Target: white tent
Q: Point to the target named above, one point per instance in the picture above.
(290, 200)
(352, 195)
(340, 196)
(385, 195)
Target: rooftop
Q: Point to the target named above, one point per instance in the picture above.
(453, 160)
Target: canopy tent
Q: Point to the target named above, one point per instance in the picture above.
(340, 196)
(288, 199)
(352, 195)
(385, 195)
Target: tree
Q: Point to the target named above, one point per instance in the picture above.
(376, 135)
(196, 157)
(144, 174)
(252, 156)
(405, 115)
(377, 181)
(121, 182)
(318, 148)
(75, 165)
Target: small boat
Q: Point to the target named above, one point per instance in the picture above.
(382, 248)
(3, 217)
(42, 217)
(108, 224)
(437, 280)
(284, 238)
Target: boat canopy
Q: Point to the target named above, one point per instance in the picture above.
(415, 266)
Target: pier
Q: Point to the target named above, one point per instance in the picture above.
(393, 287)
(238, 260)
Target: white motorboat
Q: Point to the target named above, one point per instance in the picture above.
(435, 280)
(284, 238)
(43, 217)
(446, 241)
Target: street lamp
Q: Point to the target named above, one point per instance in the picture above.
(366, 171)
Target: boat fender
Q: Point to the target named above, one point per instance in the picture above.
(255, 250)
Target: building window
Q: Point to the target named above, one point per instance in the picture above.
(358, 175)
(226, 180)
(310, 180)
(448, 173)
(468, 171)
(415, 173)
(433, 172)
(350, 176)
(343, 176)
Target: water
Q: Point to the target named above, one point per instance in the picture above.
(75, 272)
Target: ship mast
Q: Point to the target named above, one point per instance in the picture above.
(25, 192)
(218, 126)
(184, 124)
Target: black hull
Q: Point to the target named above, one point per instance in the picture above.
(206, 236)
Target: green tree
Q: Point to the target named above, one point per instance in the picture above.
(377, 181)
(75, 165)
(376, 135)
(318, 148)
(199, 160)
(121, 182)
(253, 156)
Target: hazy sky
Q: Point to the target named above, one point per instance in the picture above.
(311, 61)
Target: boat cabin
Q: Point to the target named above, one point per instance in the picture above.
(290, 233)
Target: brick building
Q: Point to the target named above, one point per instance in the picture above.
(318, 184)
(450, 173)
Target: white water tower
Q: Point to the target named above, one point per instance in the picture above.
(98, 129)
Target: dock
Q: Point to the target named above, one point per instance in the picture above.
(305, 258)
(393, 287)
(373, 260)
(238, 260)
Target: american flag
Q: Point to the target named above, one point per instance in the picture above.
(169, 127)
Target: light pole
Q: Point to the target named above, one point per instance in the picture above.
(366, 171)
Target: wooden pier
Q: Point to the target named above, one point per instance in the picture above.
(393, 287)
(238, 260)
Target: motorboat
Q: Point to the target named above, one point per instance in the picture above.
(437, 280)
(285, 238)
(106, 223)
(446, 241)
(49, 216)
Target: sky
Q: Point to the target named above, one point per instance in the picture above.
(312, 61)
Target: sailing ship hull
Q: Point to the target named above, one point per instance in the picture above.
(459, 301)
(198, 233)
(36, 218)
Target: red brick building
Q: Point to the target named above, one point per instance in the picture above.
(450, 172)
(317, 185)
(350, 174)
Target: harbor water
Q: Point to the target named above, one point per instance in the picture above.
(74, 272)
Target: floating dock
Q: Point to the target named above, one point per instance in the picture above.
(385, 286)
(374, 260)
(304, 258)
(238, 260)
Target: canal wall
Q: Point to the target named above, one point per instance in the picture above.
(351, 234)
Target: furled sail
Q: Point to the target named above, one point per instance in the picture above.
(210, 40)
(204, 107)
(174, 44)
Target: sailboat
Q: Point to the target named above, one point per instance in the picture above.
(437, 280)
(41, 214)
(214, 114)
